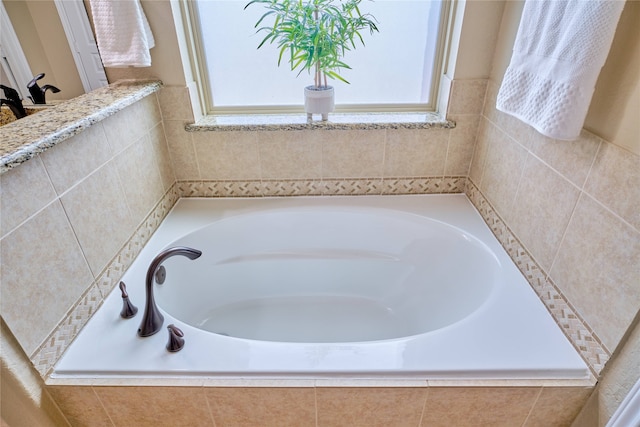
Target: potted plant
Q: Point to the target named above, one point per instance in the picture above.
(314, 35)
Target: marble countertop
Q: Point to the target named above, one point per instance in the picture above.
(27, 137)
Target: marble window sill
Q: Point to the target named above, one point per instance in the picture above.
(337, 121)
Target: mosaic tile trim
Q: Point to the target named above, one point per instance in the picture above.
(46, 356)
(327, 187)
(583, 338)
(54, 346)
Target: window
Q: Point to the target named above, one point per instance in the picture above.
(397, 70)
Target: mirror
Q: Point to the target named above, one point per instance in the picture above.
(43, 30)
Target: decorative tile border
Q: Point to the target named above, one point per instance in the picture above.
(583, 338)
(323, 187)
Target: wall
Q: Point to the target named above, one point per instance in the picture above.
(64, 215)
(165, 57)
(573, 205)
(614, 111)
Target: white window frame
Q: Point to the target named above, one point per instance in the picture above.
(185, 17)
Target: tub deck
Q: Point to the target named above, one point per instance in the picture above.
(512, 336)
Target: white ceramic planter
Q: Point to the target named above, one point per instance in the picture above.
(319, 101)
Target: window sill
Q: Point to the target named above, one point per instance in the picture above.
(337, 121)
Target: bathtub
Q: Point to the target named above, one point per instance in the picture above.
(364, 287)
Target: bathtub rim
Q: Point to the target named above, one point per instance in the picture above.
(458, 198)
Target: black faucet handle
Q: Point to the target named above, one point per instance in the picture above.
(11, 93)
(128, 309)
(176, 340)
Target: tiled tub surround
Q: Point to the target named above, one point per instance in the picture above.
(573, 206)
(318, 403)
(39, 208)
(141, 175)
(67, 211)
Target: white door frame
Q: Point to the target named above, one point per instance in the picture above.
(14, 62)
(75, 22)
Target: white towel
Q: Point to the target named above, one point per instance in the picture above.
(558, 53)
(122, 33)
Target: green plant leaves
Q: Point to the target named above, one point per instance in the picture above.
(316, 33)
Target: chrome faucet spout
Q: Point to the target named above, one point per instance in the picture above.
(152, 319)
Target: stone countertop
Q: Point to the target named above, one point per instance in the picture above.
(337, 121)
(24, 138)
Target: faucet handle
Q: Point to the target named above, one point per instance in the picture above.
(34, 80)
(176, 340)
(128, 309)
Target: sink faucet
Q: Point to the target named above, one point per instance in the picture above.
(13, 101)
(152, 318)
(37, 92)
(16, 108)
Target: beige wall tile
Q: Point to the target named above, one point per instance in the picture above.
(175, 103)
(542, 209)
(467, 96)
(227, 155)
(502, 170)
(615, 182)
(597, 269)
(264, 407)
(99, 216)
(181, 151)
(479, 159)
(150, 115)
(472, 407)
(155, 406)
(369, 407)
(290, 155)
(140, 177)
(557, 406)
(573, 159)
(588, 416)
(352, 153)
(462, 142)
(126, 126)
(509, 124)
(45, 276)
(161, 156)
(414, 152)
(81, 406)
(77, 157)
(25, 190)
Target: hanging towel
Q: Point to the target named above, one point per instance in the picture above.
(122, 33)
(558, 53)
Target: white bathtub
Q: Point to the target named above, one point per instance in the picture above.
(395, 286)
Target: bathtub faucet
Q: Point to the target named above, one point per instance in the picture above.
(152, 319)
